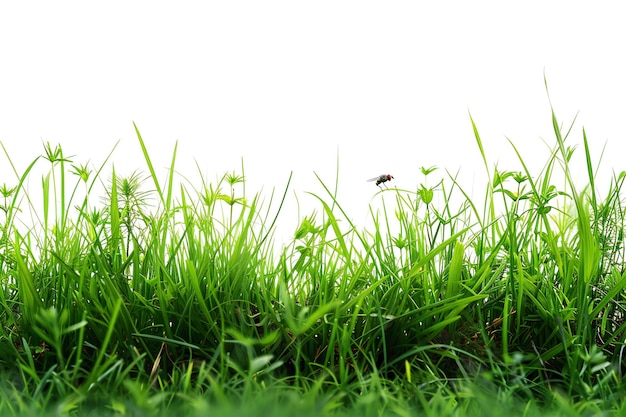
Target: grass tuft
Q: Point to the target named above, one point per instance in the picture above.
(170, 296)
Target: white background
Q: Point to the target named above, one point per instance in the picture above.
(383, 87)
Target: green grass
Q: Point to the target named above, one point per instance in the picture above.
(169, 295)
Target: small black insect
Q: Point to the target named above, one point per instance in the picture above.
(381, 179)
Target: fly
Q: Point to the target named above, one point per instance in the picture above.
(381, 179)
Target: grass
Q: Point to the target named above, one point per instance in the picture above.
(167, 296)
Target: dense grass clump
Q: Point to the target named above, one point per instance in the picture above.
(164, 296)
